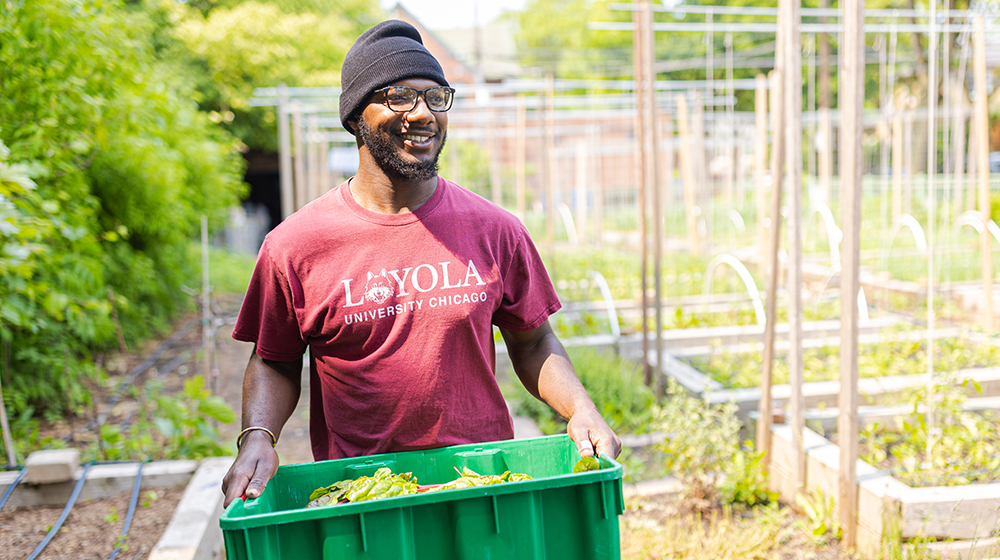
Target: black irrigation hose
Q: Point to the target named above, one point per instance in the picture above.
(10, 489)
(62, 517)
(131, 512)
(146, 364)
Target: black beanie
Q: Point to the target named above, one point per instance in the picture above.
(389, 52)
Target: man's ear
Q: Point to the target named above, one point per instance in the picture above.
(353, 123)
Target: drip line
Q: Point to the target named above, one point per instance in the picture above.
(131, 511)
(10, 489)
(62, 517)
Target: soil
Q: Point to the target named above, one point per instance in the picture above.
(92, 528)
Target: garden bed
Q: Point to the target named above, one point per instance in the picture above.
(183, 496)
(887, 507)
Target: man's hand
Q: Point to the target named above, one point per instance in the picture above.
(254, 466)
(592, 434)
(270, 392)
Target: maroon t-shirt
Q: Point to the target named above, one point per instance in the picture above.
(397, 313)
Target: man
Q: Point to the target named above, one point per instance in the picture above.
(393, 281)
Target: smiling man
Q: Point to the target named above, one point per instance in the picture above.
(393, 281)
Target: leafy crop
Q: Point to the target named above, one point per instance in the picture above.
(965, 446)
(895, 355)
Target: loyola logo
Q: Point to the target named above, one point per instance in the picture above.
(423, 278)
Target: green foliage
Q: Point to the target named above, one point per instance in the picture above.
(169, 427)
(187, 421)
(966, 449)
(106, 168)
(256, 44)
(820, 516)
(554, 38)
(702, 447)
(895, 355)
(615, 385)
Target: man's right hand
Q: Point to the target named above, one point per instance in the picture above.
(254, 466)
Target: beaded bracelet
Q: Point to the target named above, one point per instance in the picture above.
(239, 438)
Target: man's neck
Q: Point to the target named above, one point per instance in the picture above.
(381, 193)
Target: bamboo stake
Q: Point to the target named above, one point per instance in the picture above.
(520, 146)
(550, 162)
(639, 44)
(932, 100)
(298, 160)
(687, 172)
(206, 310)
(285, 154)
(493, 152)
(825, 159)
(897, 167)
(324, 166)
(908, 158)
(312, 161)
(760, 157)
(653, 175)
(667, 155)
(773, 266)
(581, 191)
(958, 145)
(793, 162)
(8, 441)
(982, 160)
(598, 186)
(852, 97)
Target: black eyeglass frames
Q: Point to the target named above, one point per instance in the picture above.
(402, 99)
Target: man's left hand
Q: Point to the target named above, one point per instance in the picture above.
(592, 434)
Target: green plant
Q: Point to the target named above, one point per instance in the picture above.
(112, 516)
(187, 421)
(106, 166)
(965, 446)
(615, 385)
(151, 496)
(177, 427)
(702, 447)
(820, 521)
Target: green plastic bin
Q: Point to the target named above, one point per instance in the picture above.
(556, 515)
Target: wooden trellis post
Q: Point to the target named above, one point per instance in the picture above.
(285, 154)
(897, 166)
(298, 159)
(958, 144)
(687, 172)
(520, 146)
(760, 157)
(852, 96)
(791, 50)
(773, 266)
(982, 121)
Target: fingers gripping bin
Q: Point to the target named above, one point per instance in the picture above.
(556, 515)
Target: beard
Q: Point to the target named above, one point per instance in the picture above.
(386, 156)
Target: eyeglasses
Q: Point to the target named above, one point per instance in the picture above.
(402, 99)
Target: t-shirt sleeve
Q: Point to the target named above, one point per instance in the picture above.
(267, 316)
(528, 295)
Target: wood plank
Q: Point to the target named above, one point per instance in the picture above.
(773, 267)
(792, 89)
(852, 95)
